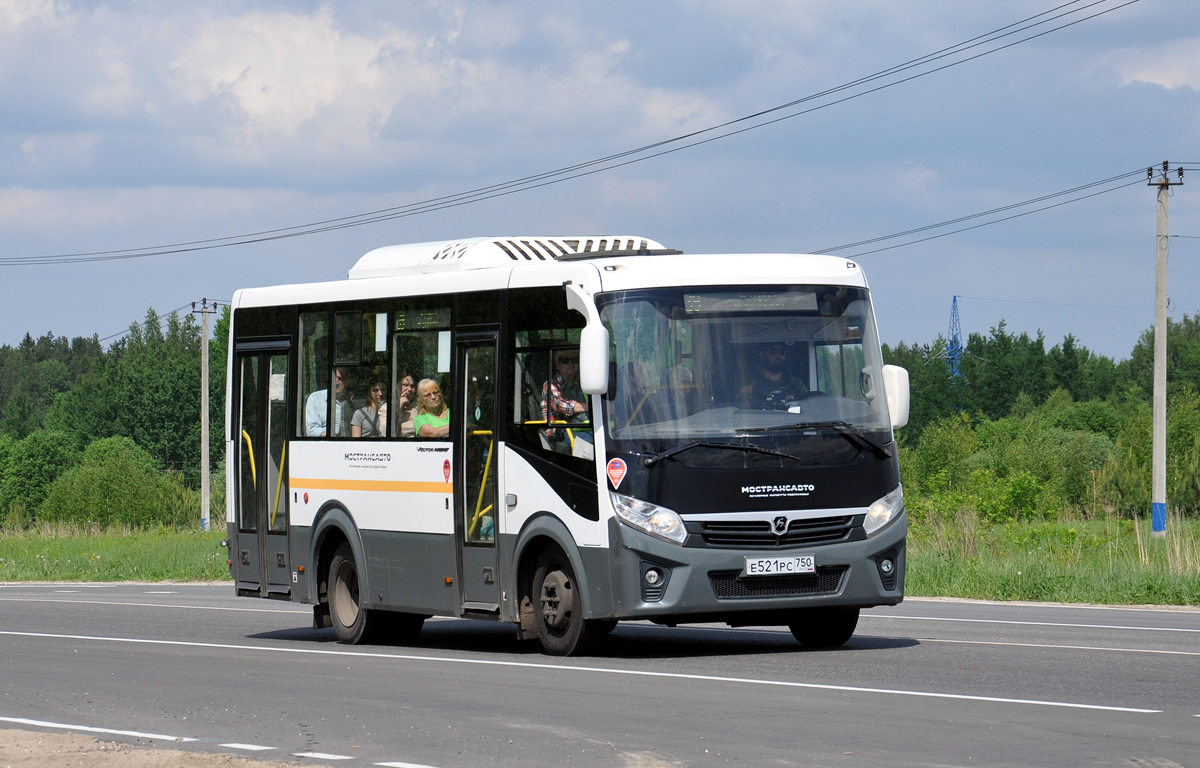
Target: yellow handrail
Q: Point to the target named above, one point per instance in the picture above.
(279, 487)
(570, 432)
(250, 448)
(487, 467)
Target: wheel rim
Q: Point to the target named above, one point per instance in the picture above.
(557, 598)
(345, 594)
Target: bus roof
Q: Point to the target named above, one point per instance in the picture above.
(485, 252)
(622, 263)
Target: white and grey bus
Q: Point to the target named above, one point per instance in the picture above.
(564, 433)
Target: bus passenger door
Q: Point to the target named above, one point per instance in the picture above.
(475, 491)
(261, 558)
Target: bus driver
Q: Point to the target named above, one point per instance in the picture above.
(773, 387)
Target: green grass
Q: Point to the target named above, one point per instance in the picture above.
(64, 553)
(1114, 562)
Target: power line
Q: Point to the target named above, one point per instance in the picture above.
(161, 325)
(968, 217)
(978, 226)
(629, 157)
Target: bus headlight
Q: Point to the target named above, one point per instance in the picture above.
(650, 518)
(884, 511)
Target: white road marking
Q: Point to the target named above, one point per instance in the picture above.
(1052, 604)
(422, 765)
(251, 747)
(786, 633)
(161, 592)
(65, 591)
(90, 729)
(276, 650)
(33, 585)
(1025, 623)
(322, 756)
(1065, 647)
(146, 605)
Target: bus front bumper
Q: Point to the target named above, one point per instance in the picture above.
(707, 584)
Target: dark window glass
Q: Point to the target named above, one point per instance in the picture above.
(478, 308)
(255, 322)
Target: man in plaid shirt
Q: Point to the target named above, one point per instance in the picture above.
(562, 397)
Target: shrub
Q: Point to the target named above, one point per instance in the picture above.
(115, 484)
(33, 464)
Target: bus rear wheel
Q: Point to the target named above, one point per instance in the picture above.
(348, 614)
(824, 627)
(558, 607)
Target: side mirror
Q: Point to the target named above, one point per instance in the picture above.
(895, 387)
(593, 342)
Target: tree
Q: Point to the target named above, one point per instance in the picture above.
(33, 464)
(1183, 357)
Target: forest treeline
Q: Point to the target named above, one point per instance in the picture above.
(94, 435)
(103, 436)
(1030, 432)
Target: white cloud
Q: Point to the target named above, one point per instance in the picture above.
(281, 71)
(15, 14)
(285, 82)
(1174, 64)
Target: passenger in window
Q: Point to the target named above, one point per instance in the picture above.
(772, 386)
(563, 399)
(433, 416)
(316, 406)
(406, 407)
(371, 419)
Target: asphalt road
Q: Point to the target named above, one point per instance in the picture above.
(928, 683)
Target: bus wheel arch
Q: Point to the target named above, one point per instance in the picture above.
(553, 593)
(333, 531)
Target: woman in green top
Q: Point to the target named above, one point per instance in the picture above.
(433, 417)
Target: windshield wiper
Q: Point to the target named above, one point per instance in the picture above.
(657, 457)
(845, 429)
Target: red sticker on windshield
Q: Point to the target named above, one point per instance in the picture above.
(616, 471)
(446, 469)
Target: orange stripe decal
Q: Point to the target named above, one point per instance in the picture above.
(389, 486)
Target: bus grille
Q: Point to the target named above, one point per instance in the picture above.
(827, 580)
(757, 534)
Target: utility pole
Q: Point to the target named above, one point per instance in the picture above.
(1158, 497)
(205, 480)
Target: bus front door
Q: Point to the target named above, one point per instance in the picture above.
(475, 489)
(261, 559)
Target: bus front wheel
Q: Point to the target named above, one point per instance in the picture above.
(346, 610)
(824, 627)
(558, 607)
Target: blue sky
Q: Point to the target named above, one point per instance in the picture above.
(133, 124)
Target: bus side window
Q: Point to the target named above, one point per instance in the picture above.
(421, 349)
(369, 398)
(544, 335)
(313, 368)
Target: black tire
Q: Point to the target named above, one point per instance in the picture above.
(824, 627)
(347, 609)
(558, 607)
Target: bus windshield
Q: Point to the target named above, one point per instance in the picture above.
(795, 370)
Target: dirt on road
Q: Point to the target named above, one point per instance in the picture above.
(28, 749)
